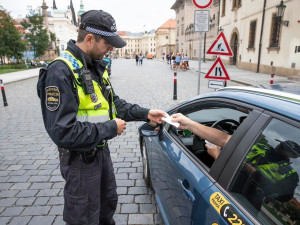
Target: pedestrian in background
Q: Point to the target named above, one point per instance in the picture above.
(81, 112)
(178, 59)
(141, 59)
(136, 59)
(173, 59)
(186, 60)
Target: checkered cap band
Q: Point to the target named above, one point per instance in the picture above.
(101, 32)
(71, 59)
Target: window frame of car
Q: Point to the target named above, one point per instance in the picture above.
(215, 171)
(249, 140)
(233, 164)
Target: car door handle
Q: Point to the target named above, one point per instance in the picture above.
(184, 185)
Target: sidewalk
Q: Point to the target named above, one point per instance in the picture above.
(245, 77)
(21, 75)
(241, 76)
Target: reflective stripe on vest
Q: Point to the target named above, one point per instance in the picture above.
(88, 111)
(272, 171)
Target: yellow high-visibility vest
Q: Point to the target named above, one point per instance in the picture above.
(94, 107)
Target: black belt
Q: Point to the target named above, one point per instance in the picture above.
(87, 156)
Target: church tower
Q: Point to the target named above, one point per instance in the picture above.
(80, 12)
(45, 14)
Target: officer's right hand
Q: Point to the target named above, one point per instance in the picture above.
(121, 125)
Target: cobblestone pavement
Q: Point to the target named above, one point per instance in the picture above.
(31, 187)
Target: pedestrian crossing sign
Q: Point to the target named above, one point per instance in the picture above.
(217, 71)
(220, 46)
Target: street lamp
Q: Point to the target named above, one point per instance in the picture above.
(58, 48)
(279, 14)
(167, 49)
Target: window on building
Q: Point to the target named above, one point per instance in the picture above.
(182, 29)
(167, 37)
(154, 50)
(223, 7)
(275, 32)
(177, 31)
(252, 32)
(236, 4)
(182, 18)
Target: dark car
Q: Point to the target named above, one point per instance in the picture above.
(256, 176)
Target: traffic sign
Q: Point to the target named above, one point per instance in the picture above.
(202, 4)
(201, 21)
(220, 46)
(217, 71)
(216, 84)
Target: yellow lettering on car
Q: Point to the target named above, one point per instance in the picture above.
(226, 210)
(217, 201)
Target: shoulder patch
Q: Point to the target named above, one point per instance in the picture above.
(52, 98)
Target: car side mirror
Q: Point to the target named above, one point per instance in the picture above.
(150, 129)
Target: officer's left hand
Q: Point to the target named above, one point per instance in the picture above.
(156, 115)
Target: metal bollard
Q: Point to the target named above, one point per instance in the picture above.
(272, 77)
(3, 93)
(175, 87)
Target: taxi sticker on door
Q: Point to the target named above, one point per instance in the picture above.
(226, 210)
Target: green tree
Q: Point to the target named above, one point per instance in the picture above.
(37, 36)
(11, 43)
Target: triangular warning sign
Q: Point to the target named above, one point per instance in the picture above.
(220, 46)
(217, 71)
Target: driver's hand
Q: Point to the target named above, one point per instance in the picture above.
(184, 122)
(213, 150)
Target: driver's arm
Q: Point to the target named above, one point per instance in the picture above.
(210, 134)
(213, 150)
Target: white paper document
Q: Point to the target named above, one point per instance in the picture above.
(168, 119)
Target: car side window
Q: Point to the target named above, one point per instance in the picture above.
(223, 116)
(267, 181)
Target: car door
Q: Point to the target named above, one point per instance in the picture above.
(216, 204)
(179, 177)
(261, 178)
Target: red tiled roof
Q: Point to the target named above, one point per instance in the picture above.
(297, 204)
(122, 33)
(169, 24)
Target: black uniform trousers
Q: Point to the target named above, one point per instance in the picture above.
(90, 195)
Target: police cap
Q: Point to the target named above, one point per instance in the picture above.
(102, 23)
(290, 146)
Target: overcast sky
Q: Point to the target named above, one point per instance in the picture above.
(130, 15)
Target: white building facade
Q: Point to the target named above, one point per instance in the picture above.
(136, 44)
(187, 41)
(259, 42)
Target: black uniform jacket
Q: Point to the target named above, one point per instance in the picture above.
(61, 124)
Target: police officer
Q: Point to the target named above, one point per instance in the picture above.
(272, 176)
(81, 112)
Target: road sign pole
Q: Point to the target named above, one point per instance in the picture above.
(198, 92)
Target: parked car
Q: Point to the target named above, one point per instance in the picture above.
(192, 188)
(149, 56)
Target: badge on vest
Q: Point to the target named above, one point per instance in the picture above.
(94, 97)
(52, 98)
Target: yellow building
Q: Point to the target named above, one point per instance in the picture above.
(165, 37)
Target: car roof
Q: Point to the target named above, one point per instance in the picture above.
(276, 101)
